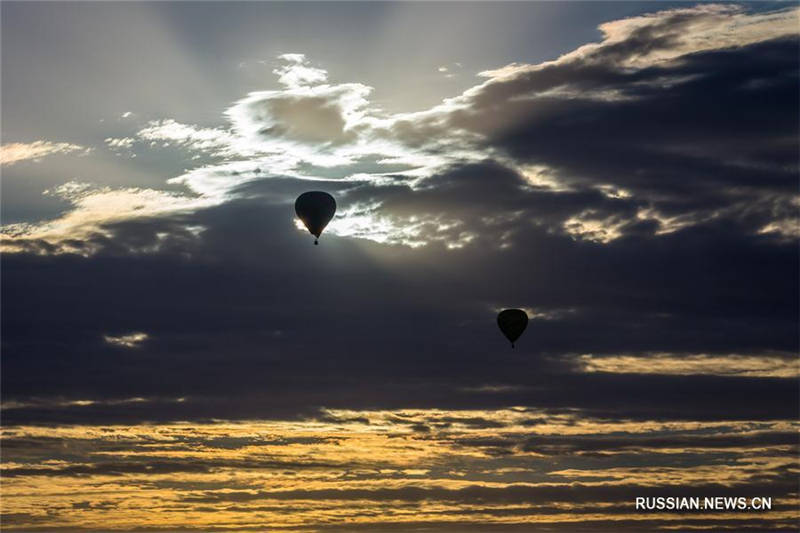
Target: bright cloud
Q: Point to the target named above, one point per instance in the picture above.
(93, 209)
(120, 142)
(129, 340)
(688, 364)
(16, 152)
(296, 72)
(211, 141)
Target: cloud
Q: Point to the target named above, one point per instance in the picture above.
(119, 142)
(130, 340)
(214, 300)
(94, 208)
(310, 472)
(12, 153)
(666, 35)
(667, 113)
(786, 366)
(57, 403)
(296, 72)
(310, 113)
(210, 141)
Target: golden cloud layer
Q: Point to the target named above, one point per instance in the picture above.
(376, 468)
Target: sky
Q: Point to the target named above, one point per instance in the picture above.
(177, 355)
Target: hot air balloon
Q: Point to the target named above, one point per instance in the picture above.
(315, 209)
(512, 323)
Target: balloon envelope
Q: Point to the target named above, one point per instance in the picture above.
(315, 209)
(512, 323)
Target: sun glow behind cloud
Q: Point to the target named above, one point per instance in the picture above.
(315, 122)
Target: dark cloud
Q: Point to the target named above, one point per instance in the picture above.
(706, 138)
(717, 136)
(248, 305)
(576, 493)
(154, 467)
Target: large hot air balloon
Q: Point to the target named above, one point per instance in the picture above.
(512, 323)
(315, 209)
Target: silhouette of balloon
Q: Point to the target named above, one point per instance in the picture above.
(512, 323)
(315, 209)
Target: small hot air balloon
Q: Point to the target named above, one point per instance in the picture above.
(512, 323)
(315, 209)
